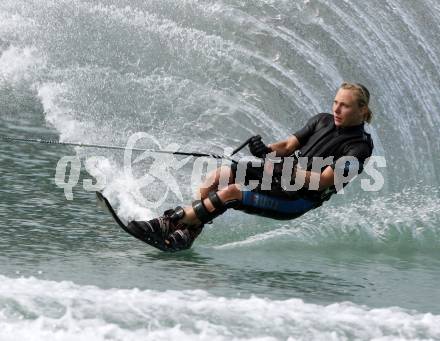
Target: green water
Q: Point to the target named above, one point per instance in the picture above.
(46, 236)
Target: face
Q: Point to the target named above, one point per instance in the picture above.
(346, 111)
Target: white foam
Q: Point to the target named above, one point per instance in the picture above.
(120, 190)
(12, 23)
(58, 113)
(20, 64)
(46, 310)
(404, 219)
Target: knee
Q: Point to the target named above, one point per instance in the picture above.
(224, 172)
(213, 177)
(211, 181)
(225, 177)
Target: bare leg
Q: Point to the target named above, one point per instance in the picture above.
(181, 239)
(216, 178)
(230, 192)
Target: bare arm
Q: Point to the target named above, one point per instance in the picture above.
(286, 147)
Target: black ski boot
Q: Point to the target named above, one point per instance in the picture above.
(165, 232)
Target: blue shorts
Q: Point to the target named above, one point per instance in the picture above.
(275, 203)
(274, 207)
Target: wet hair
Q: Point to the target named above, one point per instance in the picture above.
(363, 96)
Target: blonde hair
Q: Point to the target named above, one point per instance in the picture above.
(363, 97)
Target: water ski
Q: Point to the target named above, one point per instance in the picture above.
(140, 230)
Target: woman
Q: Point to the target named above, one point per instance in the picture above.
(325, 137)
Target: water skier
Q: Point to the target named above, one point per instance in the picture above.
(336, 135)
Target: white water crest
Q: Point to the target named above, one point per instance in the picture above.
(401, 221)
(221, 71)
(47, 310)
